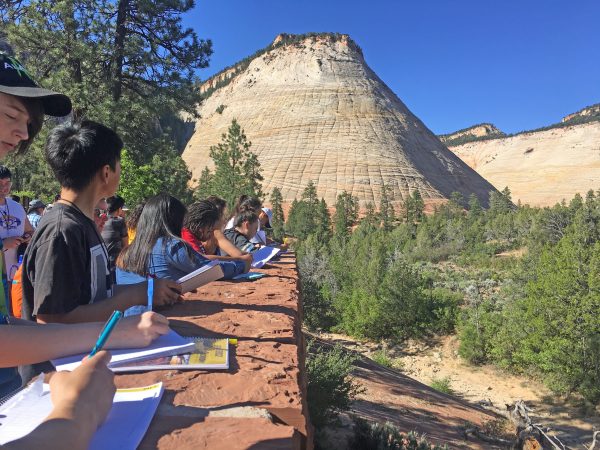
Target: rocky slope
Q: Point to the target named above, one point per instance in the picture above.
(540, 167)
(314, 110)
(483, 130)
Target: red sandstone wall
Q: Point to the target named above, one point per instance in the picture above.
(260, 403)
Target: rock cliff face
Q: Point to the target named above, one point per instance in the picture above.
(589, 111)
(314, 110)
(476, 131)
(542, 167)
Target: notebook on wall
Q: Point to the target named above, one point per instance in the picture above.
(207, 354)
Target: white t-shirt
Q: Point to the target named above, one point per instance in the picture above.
(260, 237)
(12, 223)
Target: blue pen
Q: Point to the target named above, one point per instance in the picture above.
(105, 333)
(150, 292)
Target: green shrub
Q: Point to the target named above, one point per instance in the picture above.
(442, 385)
(331, 389)
(376, 436)
(381, 357)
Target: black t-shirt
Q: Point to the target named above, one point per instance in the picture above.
(113, 233)
(65, 265)
(239, 240)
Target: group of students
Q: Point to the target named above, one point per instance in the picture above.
(67, 277)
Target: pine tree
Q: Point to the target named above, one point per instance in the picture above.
(346, 215)
(278, 220)
(418, 205)
(386, 211)
(237, 170)
(475, 209)
(323, 225)
(204, 188)
(309, 195)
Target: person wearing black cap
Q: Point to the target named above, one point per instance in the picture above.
(23, 104)
(81, 398)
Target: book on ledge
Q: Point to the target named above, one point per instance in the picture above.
(166, 345)
(207, 354)
(204, 275)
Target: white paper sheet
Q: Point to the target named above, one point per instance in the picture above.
(263, 256)
(124, 428)
(168, 344)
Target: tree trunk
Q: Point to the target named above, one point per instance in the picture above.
(119, 50)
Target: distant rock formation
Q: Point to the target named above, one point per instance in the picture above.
(314, 110)
(540, 167)
(474, 133)
(586, 112)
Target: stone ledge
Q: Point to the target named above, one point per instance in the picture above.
(260, 402)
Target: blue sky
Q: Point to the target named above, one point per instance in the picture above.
(518, 64)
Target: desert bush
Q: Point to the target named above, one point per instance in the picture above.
(376, 436)
(331, 388)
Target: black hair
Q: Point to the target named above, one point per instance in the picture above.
(200, 215)
(35, 109)
(76, 152)
(134, 216)
(220, 203)
(5, 172)
(245, 202)
(114, 203)
(16, 198)
(245, 216)
(162, 217)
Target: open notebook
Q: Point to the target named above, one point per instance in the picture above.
(166, 345)
(204, 275)
(263, 255)
(124, 428)
(207, 354)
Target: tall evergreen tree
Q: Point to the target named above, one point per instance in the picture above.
(418, 205)
(323, 225)
(237, 170)
(386, 211)
(346, 215)
(475, 209)
(278, 220)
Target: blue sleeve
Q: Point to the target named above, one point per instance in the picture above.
(232, 269)
(184, 258)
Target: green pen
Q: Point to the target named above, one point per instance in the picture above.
(105, 333)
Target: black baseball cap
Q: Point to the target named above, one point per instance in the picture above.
(16, 80)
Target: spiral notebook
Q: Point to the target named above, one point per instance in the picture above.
(207, 354)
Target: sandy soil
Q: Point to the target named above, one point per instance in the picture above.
(486, 387)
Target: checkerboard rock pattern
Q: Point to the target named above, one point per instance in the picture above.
(314, 110)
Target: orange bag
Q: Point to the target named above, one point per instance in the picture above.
(16, 293)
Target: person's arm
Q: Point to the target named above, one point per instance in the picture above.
(166, 292)
(232, 269)
(227, 246)
(38, 343)
(246, 258)
(82, 399)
